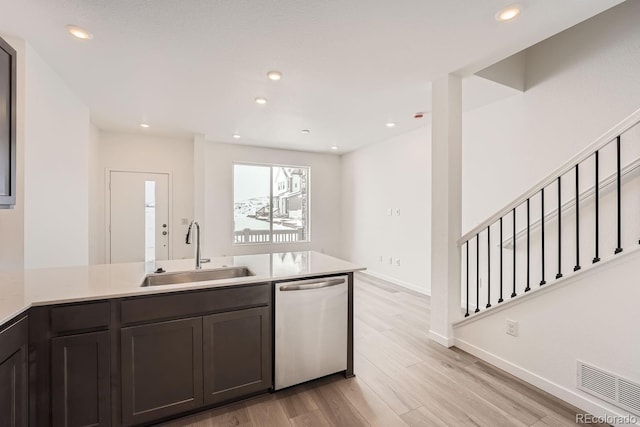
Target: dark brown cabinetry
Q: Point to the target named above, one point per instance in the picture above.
(138, 360)
(237, 354)
(13, 375)
(184, 351)
(80, 386)
(161, 369)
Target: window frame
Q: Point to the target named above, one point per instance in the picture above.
(271, 188)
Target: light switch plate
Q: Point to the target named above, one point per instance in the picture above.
(512, 328)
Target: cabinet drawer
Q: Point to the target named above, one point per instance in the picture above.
(80, 316)
(183, 304)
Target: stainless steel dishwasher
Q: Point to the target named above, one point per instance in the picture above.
(311, 329)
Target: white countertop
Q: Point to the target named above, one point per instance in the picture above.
(21, 289)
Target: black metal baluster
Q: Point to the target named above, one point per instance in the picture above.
(559, 275)
(619, 248)
(513, 294)
(477, 273)
(596, 258)
(467, 313)
(528, 288)
(488, 266)
(500, 299)
(577, 267)
(542, 282)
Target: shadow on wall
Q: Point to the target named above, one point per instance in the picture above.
(590, 41)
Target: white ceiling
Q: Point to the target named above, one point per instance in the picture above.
(195, 66)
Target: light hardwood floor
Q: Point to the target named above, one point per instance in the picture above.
(402, 379)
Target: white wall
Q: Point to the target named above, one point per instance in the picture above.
(146, 153)
(590, 318)
(56, 169)
(216, 164)
(579, 84)
(12, 220)
(394, 174)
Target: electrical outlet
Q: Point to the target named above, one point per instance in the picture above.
(512, 328)
(398, 262)
(397, 211)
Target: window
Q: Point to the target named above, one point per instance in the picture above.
(271, 204)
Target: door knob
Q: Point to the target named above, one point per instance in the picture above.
(164, 225)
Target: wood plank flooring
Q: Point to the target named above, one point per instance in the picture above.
(402, 379)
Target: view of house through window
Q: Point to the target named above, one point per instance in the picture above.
(271, 203)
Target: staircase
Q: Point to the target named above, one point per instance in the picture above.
(550, 285)
(585, 212)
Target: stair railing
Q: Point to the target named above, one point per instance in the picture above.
(477, 266)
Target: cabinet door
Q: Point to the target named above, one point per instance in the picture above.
(80, 380)
(161, 369)
(13, 375)
(237, 354)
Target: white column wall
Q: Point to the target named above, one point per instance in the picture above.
(446, 206)
(56, 170)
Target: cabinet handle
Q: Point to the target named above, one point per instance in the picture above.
(313, 285)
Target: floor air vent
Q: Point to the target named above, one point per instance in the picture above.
(610, 387)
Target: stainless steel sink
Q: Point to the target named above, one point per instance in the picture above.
(196, 276)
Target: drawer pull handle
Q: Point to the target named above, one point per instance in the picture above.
(313, 285)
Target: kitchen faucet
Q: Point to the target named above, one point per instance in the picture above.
(199, 260)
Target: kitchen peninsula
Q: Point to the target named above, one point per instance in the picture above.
(91, 346)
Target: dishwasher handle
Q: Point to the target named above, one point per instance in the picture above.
(312, 285)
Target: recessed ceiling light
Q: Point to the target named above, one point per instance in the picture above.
(79, 32)
(508, 13)
(274, 75)
(144, 125)
(236, 136)
(334, 147)
(260, 100)
(305, 131)
(390, 124)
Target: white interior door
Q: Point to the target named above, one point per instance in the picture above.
(139, 216)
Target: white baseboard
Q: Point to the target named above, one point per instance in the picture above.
(582, 401)
(411, 286)
(441, 339)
